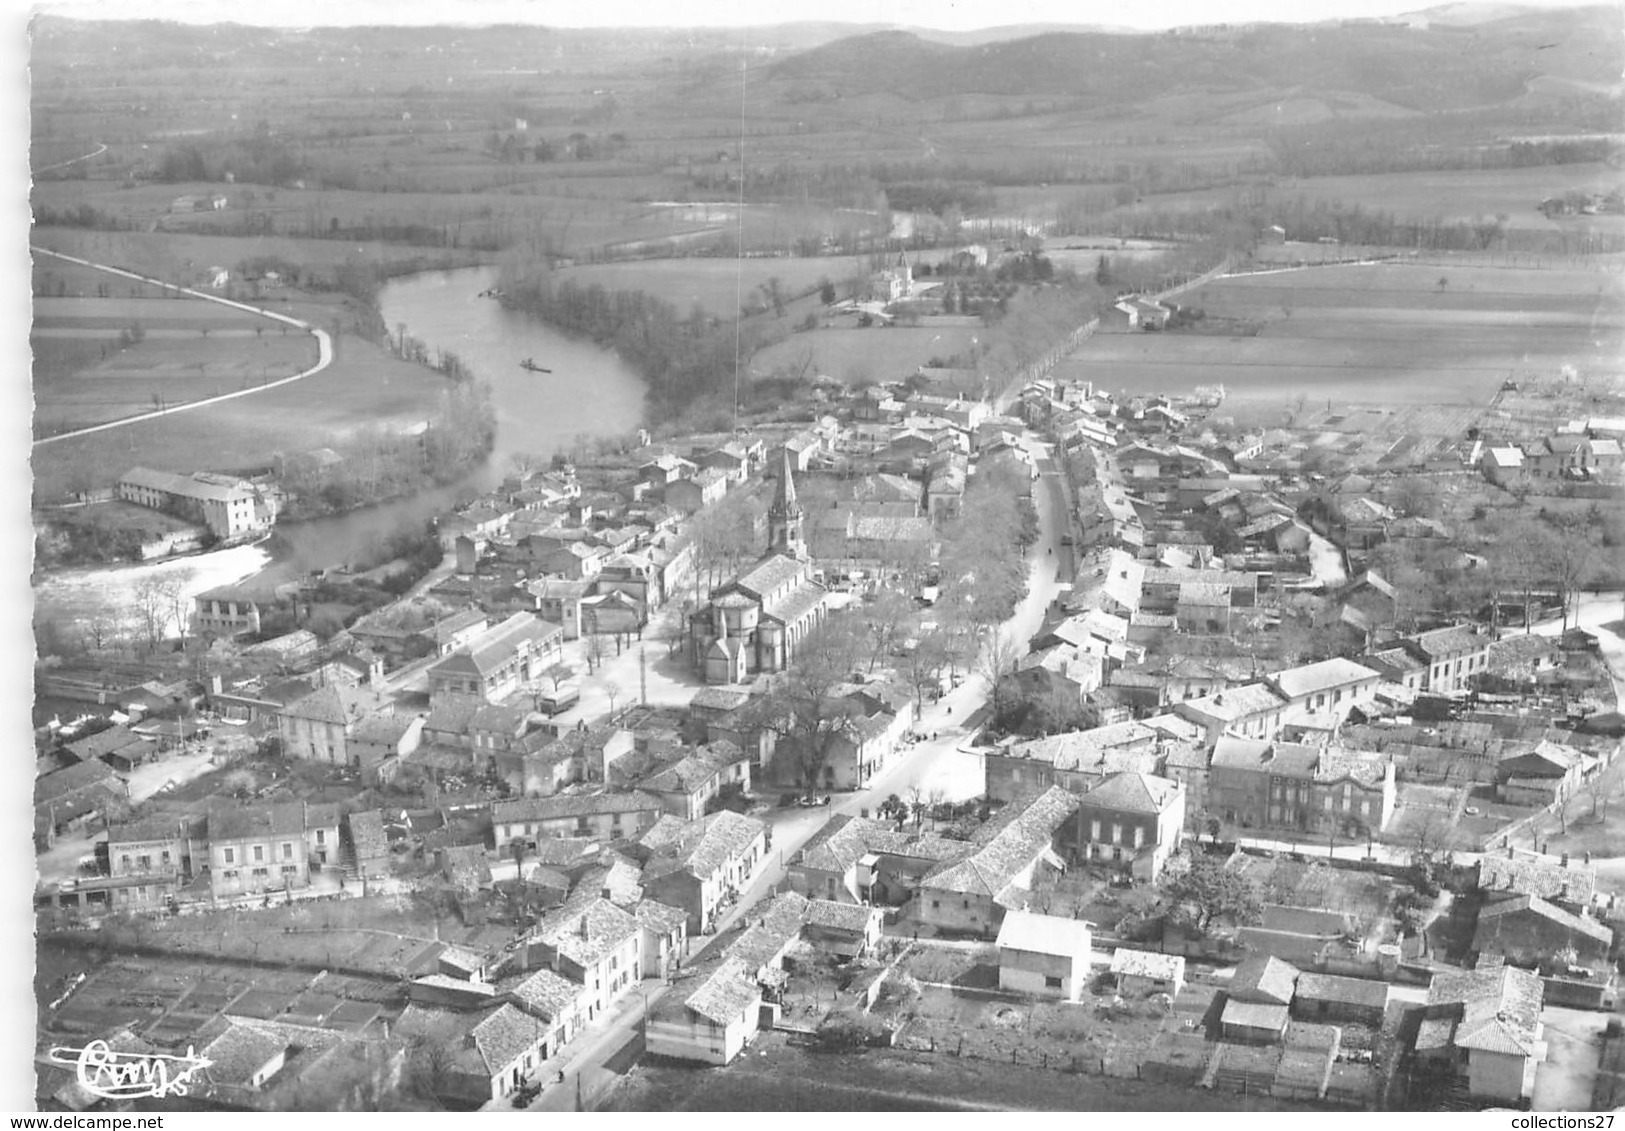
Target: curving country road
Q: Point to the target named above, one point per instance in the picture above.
(101, 148)
(324, 348)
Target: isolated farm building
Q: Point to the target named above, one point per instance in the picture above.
(1043, 954)
(1144, 313)
(893, 283)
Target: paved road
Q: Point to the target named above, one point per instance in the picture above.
(324, 348)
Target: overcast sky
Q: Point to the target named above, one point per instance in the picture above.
(956, 15)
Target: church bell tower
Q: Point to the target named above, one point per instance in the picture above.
(784, 518)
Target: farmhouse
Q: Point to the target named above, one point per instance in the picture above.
(1144, 313)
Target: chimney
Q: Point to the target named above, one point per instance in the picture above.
(586, 931)
(1509, 852)
(1565, 860)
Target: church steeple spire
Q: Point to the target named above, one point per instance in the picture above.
(784, 518)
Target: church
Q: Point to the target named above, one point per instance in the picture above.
(755, 622)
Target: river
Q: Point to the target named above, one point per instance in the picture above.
(590, 390)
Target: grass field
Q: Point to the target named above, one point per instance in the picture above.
(880, 354)
(364, 386)
(186, 257)
(719, 285)
(137, 378)
(1392, 333)
(1456, 194)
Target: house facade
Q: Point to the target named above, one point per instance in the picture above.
(1044, 955)
(1131, 822)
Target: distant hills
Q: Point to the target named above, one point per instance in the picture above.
(1437, 68)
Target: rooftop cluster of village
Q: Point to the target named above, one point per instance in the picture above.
(1245, 755)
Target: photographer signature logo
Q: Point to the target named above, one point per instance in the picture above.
(129, 1075)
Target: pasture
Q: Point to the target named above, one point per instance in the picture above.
(874, 354)
(364, 387)
(89, 381)
(1391, 333)
(98, 359)
(186, 257)
(721, 286)
(1449, 195)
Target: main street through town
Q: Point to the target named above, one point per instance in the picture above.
(939, 761)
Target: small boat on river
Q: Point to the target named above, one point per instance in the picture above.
(530, 365)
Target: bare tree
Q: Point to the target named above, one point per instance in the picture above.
(803, 706)
(557, 672)
(151, 609)
(996, 662)
(613, 690)
(594, 644)
(177, 605)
